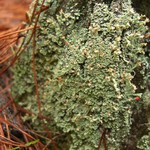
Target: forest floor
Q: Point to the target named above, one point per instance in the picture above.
(12, 13)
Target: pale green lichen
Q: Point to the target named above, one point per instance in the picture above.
(144, 143)
(85, 72)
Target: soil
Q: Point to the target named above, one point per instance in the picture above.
(12, 13)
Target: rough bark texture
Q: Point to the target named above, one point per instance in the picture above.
(91, 65)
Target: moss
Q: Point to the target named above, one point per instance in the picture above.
(85, 71)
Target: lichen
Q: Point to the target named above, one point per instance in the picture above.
(144, 143)
(85, 72)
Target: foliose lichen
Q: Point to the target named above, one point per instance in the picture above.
(85, 71)
(144, 143)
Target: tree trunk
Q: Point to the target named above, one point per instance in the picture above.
(88, 72)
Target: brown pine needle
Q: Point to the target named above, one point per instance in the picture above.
(8, 40)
